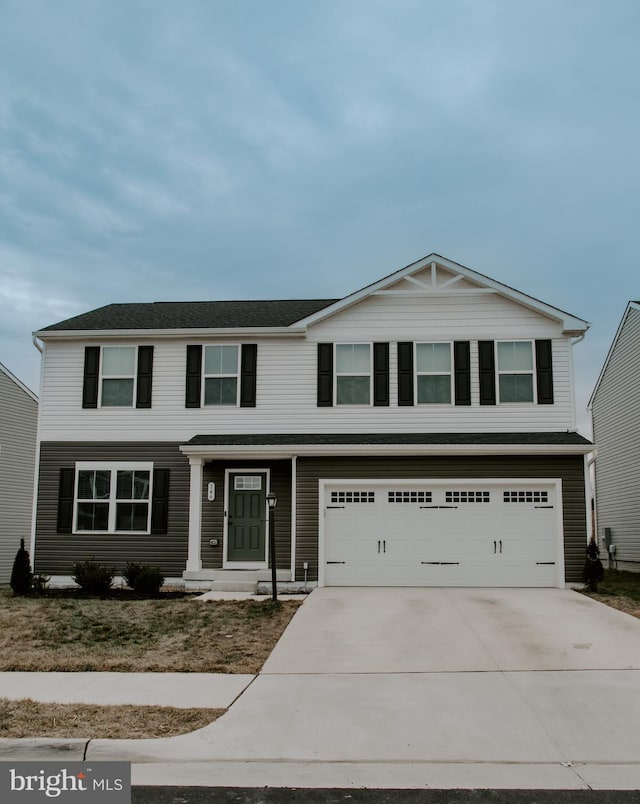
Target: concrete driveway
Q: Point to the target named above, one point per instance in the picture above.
(426, 688)
(365, 630)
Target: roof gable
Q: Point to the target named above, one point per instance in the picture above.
(631, 308)
(4, 370)
(436, 276)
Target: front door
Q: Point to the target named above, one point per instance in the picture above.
(247, 517)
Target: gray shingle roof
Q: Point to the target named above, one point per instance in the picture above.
(194, 315)
(292, 439)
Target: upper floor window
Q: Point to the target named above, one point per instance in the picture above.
(118, 373)
(353, 374)
(221, 369)
(515, 367)
(113, 499)
(434, 373)
(117, 376)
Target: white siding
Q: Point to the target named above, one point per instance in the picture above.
(616, 428)
(18, 425)
(286, 386)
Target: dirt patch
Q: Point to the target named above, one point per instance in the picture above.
(27, 718)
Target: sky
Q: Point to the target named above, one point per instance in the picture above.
(207, 149)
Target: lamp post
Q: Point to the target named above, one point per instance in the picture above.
(272, 501)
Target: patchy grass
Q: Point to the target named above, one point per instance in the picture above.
(27, 718)
(181, 635)
(620, 589)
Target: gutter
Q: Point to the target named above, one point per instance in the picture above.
(227, 451)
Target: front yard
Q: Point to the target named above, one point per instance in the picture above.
(179, 635)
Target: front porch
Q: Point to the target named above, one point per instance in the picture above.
(230, 524)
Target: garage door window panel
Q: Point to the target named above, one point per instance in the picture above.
(353, 373)
(515, 372)
(434, 374)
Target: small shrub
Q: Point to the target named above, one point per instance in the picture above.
(143, 579)
(93, 578)
(21, 574)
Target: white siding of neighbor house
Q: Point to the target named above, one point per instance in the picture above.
(616, 429)
(286, 378)
(18, 427)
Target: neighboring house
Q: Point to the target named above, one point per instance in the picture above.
(18, 433)
(615, 412)
(420, 431)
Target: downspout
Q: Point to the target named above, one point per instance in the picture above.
(36, 469)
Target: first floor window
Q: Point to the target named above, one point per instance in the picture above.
(515, 371)
(353, 374)
(113, 499)
(433, 373)
(221, 375)
(118, 370)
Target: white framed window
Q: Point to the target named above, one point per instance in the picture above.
(221, 367)
(434, 373)
(515, 368)
(118, 376)
(113, 498)
(353, 373)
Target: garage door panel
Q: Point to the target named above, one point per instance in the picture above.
(441, 534)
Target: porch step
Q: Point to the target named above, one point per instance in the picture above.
(235, 586)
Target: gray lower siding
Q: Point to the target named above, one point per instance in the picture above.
(55, 554)
(569, 469)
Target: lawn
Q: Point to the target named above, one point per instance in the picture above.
(179, 635)
(620, 589)
(160, 635)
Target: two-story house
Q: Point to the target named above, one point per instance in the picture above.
(18, 426)
(420, 431)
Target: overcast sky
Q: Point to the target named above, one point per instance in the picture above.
(201, 149)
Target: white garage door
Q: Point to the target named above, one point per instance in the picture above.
(441, 533)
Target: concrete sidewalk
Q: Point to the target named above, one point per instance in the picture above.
(181, 690)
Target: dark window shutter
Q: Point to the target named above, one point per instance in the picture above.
(160, 501)
(91, 374)
(381, 374)
(325, 375)
(194, 376)
(405, 373)
(487, 359)
(248, 362)
(544, 372)
(462, 372)
(66, 488)
(145, 376)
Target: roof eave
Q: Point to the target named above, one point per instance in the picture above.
(191, 332)
(319, 450)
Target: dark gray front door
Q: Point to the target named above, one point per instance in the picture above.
(247, 516)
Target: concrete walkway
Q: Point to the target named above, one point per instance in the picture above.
(181, 690)
(419, 688)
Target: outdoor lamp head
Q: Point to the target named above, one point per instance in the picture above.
(271, 500)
